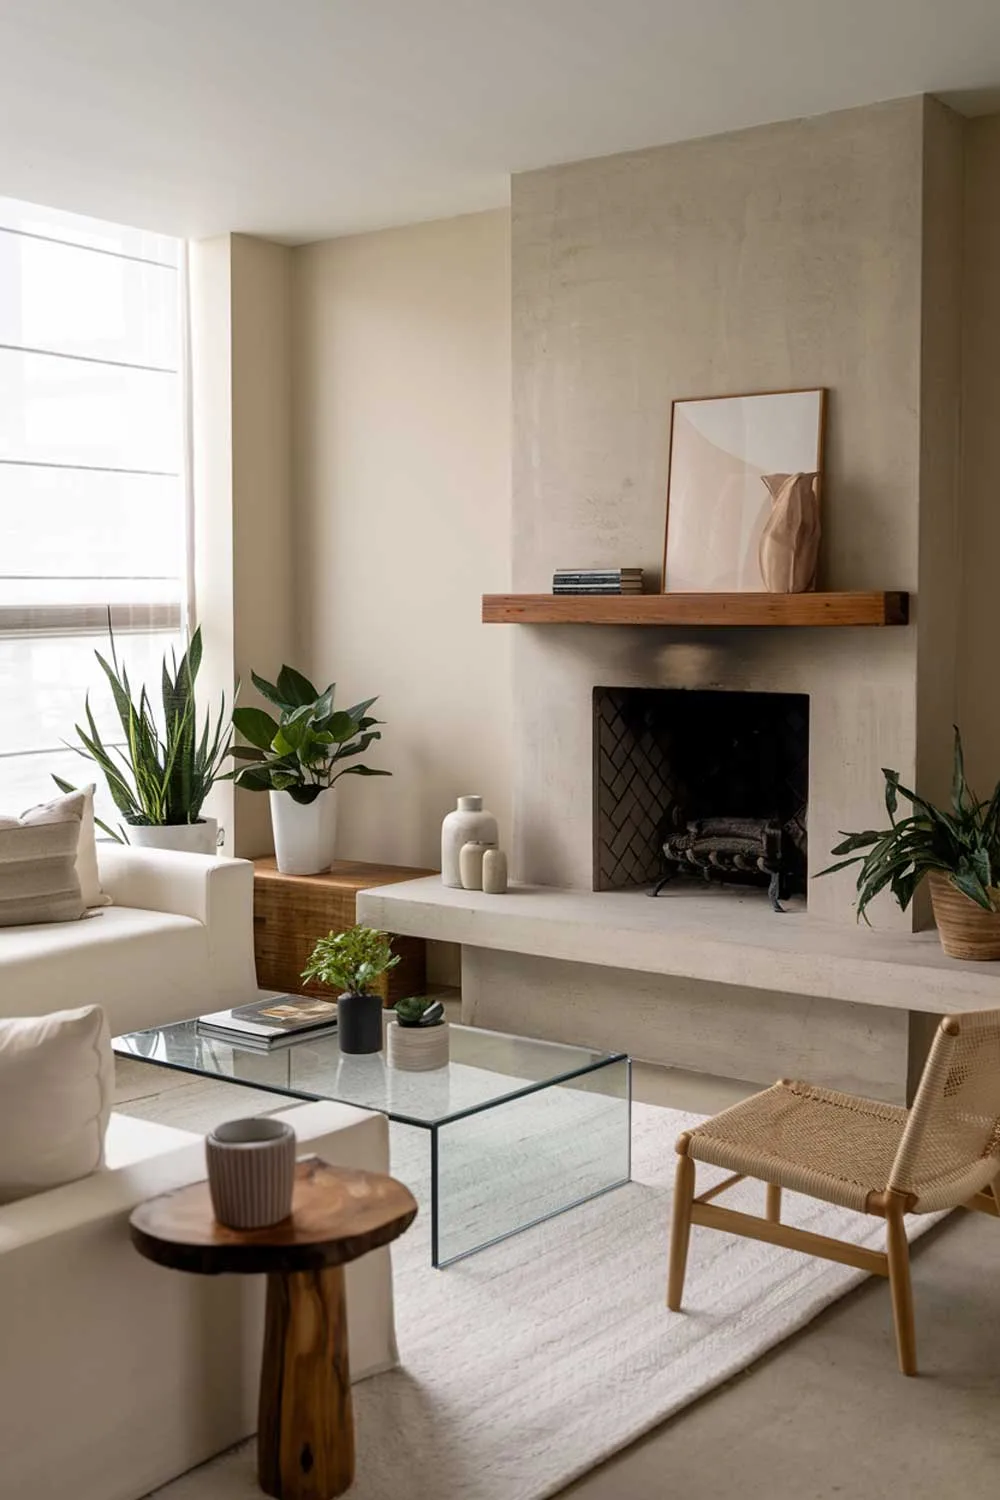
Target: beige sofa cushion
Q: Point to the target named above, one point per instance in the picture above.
(87, 871)
(38, 878)
(57, 1082)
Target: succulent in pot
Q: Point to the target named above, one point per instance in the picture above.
(298, 758)
(418, 1041)
(351, 962)
(161, 774)
(958, 852)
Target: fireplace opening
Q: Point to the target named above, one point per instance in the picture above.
(706, 785)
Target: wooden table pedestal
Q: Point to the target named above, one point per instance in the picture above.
(305, 1433)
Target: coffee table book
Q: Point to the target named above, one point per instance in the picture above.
(272, 1020)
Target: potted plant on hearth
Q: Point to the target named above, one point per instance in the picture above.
(351, 962)
(418, 1036)
(162, 771)
(298, 758)
(957, 851)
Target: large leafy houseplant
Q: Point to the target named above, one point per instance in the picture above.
(963, 845)
(302, 751)
(161, 773)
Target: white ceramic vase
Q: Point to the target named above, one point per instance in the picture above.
(470, 823)
(191, 838)
(304, 832)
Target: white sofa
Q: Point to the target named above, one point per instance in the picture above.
(176, 943)
(117, 1375)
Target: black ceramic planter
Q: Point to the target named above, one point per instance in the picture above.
(359, 1023)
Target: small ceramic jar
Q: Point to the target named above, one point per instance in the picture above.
(494, 872)
(469, 822)
(470, 863)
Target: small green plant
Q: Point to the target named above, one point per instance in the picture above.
(418, 1011)
(351, 961)
(963, 844)
(165, 769)
(301, 751)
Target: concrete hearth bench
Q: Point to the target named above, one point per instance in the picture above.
(708, 979)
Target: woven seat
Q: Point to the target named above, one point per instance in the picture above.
(832, 1146)
(859, 1153)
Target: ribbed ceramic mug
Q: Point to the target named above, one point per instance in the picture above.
(251, 1172)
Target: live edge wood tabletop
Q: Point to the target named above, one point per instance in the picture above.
(291, 911)
(305, 1432)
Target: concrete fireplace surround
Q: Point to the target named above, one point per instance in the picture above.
(824, 252)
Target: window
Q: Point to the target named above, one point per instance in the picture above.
(93, 492)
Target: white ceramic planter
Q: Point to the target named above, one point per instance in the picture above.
(417, 1049)
(304, 833)
(468, 824)
(191, 838)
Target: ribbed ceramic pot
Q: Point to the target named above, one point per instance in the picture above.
(304, 832)
(417, 1049)
(469, 823)
(965, 929)
(251, 1172)
(191, 838)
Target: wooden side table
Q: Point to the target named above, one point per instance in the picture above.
(305, 1432)
(291, 911)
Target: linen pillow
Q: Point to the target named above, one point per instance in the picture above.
(57, 1081)
(38, 879)
(87, 871)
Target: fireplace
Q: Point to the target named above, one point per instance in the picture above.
(683, 767)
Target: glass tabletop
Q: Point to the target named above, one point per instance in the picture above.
(486, 1068)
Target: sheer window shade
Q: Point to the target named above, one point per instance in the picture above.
(93, 502)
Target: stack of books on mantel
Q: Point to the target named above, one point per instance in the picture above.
(597, 581)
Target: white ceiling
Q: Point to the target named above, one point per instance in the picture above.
(299, 119)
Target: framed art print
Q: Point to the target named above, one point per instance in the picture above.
(718, 502)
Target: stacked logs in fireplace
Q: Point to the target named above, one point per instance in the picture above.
(717, 848)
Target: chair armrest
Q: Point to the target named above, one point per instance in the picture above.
(168, 880)
(212, 890)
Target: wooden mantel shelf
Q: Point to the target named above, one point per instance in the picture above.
(872, 608)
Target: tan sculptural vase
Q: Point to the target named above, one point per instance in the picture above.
(789, 544)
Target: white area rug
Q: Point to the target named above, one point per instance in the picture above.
(529, 1363)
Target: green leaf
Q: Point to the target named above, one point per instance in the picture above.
(257, 726)
(268, 690)
(296, 690)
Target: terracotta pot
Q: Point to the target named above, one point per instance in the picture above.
(966, 931)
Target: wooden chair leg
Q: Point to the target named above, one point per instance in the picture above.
(899, 1284)
(773, 1210)
(680, 1228)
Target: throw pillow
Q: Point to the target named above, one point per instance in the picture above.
(57, 1080)
(87, 871)
(38, 879)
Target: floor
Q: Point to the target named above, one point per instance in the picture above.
(826, 1416)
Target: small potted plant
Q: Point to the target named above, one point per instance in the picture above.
(418, 1038)
(164, 767)
(298, 758)
(958, 852)
(351, 962)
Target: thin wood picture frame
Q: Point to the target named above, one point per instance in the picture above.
(716, 502)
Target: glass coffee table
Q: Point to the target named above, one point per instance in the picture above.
(520, 1130)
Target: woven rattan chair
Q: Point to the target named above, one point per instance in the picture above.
(881, 1159)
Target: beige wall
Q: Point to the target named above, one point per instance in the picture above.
(979, 698)
(244, 540)
(401, 442)
(786, 256)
